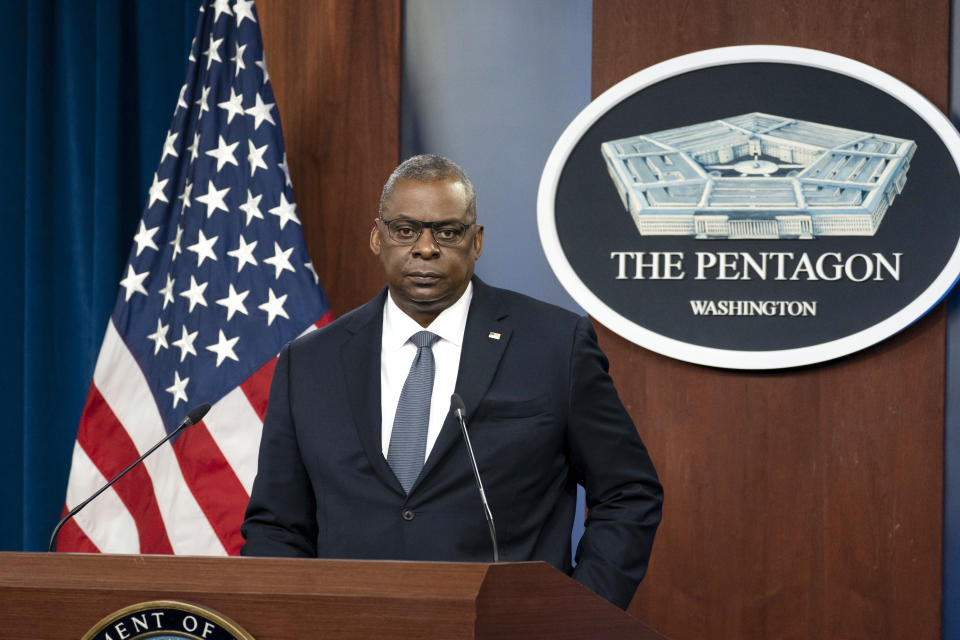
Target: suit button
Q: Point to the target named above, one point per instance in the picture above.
(407, 514)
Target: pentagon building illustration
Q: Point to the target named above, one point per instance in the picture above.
(758, 176)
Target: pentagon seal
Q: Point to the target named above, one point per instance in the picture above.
(166, 620)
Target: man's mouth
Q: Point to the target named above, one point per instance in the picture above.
(423, 278)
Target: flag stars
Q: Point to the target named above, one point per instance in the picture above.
(233, 106)
(280, 260)
(286, 169)
(168, 148)
(262, 63)
(255, 157)
(204, 97)
(252, 207)
(195, 293)
(221, 7)
(194, 148)
(204, 249)
(212, 52)
(233, 303)
(167, 292)
(224, 153)
(213, 198)
(178, 389)
(244, 254)
(309, 266)
(243, 9)
(224, 348)
(274, 307)
(185, 343)
(159, 337)
(237, 59)
(176, 243)
(181, 103)
(156, 190)
(286, 211)
(133, 283)
(185, 196)
(260, 112)
(144, 238)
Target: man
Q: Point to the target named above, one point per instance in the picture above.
(361, 456)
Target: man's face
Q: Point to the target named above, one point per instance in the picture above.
(424, 277)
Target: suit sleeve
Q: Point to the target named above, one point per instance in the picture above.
(281, 516)
(624, 496)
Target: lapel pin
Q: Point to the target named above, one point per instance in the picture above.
(493, 335)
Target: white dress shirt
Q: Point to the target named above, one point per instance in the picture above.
(397, 354)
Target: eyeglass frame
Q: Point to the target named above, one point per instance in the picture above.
(426, 225)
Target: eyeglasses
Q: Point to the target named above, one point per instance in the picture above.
(446, 233)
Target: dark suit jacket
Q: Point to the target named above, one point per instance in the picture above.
(543, 416)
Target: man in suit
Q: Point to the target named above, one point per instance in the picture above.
(361, 456)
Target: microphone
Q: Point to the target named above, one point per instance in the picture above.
(460, 409)
(194, 416)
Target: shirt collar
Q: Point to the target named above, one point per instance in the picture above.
(449, 325)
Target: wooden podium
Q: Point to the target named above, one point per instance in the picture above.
(63, 595)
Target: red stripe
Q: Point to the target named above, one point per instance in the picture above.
(111, 450)
(257, 386)
(214, 484)
(72, 537)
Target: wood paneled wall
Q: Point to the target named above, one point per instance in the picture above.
(335, 69)
(805, 503)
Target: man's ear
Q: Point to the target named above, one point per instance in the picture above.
(375, 239)
(478, 241)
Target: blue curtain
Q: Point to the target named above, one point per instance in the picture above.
(91, 88)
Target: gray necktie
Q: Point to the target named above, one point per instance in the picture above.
(408, 442)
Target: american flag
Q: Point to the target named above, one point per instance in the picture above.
(218, 280)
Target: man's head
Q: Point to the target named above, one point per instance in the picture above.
(426, 235)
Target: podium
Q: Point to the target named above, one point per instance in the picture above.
(63, 595)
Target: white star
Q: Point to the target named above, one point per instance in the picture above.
(156, 190)
(237, 59)
(144, 238)
(213, 198)
(133, 283)
(185, 196)
(204, 95)
(252, 207)
(309, 266)
(224, 348)
(234, 302)
(280, 260)
(274, 307)
(262, 63)
(178, 389)
(243, 9)
(212, 52)
(286, 211)
(244, 254)
(260, 112)
(193, 45)
(167, 292)
(224, 153)
(221, 6)
(176, 243)
(233, 106)
(194, 148)
(180, 102)
(185, 343)
(195, 294)
(203, 248)
(286, 169)
(159, 337)
(255, 157)
(168, 148)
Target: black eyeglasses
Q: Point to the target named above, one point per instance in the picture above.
(446, 233)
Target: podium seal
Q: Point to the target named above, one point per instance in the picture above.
(166, 620)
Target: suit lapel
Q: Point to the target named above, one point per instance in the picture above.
(479, 359)
(360, 363)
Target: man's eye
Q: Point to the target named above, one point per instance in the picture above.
(447, 233)
(404, 231)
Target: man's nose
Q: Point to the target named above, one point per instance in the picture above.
(426, 246)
